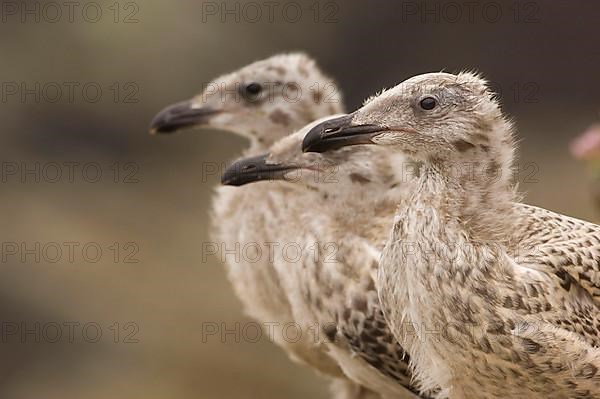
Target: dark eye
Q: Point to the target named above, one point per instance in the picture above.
(252, 90)
(428, 103)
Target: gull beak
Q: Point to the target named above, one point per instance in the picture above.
(339, 132)
(181, 116)
(254, 169)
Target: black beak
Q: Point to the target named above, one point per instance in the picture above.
(180, 116)
(253, 169)
(337, 133)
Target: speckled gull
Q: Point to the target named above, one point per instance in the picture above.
(491, 297)
(343, 203)
(263, 102)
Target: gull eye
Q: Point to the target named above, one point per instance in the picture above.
(428, 103)
(251, 91)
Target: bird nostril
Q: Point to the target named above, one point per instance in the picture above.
(249, 167)
(331, 130)
(179, 108)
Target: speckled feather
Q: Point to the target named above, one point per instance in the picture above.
(243, 216)
(566, 246)
(345, 210)
(485, 293)
(252, 214)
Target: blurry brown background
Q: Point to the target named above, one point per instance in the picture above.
(544, 56)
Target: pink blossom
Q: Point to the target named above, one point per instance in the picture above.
(587, 145)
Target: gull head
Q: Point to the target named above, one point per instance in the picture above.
(263, 101)
(430, 117)
(336, 172)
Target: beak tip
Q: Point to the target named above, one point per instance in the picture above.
(254, 169)
(228, 179)
(182, 115)
(158, 130)
(311, 141)
(339, 132)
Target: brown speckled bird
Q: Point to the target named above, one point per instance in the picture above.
(263, 102)
(339, 209)
(491, 297)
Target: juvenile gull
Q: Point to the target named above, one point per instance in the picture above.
(342, 203)
(263, 102)
(491, 297)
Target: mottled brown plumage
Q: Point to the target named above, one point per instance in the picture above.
(492, 298)
(339, 210)
(293, 93)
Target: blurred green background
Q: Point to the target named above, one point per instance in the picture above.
(153, 196)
